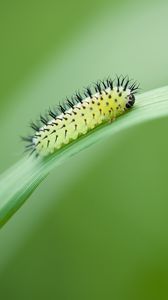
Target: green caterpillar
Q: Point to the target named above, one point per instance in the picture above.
(80, 114)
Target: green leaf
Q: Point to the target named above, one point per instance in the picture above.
(17, 183)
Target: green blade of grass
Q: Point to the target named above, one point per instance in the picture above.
(17, 183)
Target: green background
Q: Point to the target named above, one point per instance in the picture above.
(96, 228)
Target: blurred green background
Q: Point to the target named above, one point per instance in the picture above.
(96, 228)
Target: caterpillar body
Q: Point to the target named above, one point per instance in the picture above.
(80, 114)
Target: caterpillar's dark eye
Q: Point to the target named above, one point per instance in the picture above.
(131, 101)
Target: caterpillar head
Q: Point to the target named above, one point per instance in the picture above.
(130, 100)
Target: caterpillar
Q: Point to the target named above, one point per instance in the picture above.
(79, 114)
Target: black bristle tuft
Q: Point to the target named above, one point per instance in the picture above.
(34, 149)
(109, 83)
(134, 87)
(126, 84)
(122, 81)
(34, 126)
(27, 138)
(98, 87)
(88, 92)
(104, 84)
(62, 107)
(78, 97)
(118, 81)
(52, 113)
(74, 100)
(43, 120)
(30, 146)
(69, 103)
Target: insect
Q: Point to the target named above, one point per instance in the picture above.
(79, 114)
